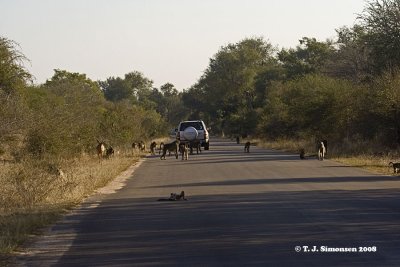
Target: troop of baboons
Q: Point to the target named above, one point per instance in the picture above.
(107, 151)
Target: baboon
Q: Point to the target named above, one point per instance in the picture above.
(183, 148)
(172, 147)
(161, 148)
(326, 146)
(109, 152)
(174, 197)
(181, 196)
(101, 148)
(142, 146)
(153, 146)
(302, 154)
(396, 166)
(134, 145)
(57, 171)
(247, 147)
(196, 145)
(321, 151)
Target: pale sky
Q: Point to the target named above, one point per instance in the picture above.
(167, 40)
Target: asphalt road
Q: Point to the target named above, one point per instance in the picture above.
(242, 210)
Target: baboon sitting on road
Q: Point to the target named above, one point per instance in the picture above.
(172, 147)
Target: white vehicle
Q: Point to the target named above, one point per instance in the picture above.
(193, 131)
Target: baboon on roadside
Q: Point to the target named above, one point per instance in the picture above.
(247, 147)
(142, 146)
(161, 148)
(302, 154)
(109, 152)
(172, 147)
(174, 197)
(396, 166)
(134, 145)
(184, 149)
(153, 146)
(101, 148)
(321, 151)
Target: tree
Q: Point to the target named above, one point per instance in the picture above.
(352, 58)
(66, 112)
(13, 81)
(13, 74)
(116, 89)
(171, 106)
(310, 106)
(386, 106)
(381, 21)
(134, 87)
(227, 86)
(310, 56)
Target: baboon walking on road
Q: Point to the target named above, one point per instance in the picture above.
(247, 147)
(184, 149)
(172, 147)
(321, 151)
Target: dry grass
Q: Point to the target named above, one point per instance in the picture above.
(377, 165)
(33, 194)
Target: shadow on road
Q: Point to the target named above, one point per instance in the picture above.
(237, 230)
(249, 181)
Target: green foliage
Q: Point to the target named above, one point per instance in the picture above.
(352, 59)
(314, 105)
(13, 74)
(134, 87)
(381, 21)
(227, 88)
(14, 114)
(310, 56)
(386, 106)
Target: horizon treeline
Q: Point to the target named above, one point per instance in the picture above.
(347, 88)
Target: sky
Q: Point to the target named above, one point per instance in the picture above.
(166, 40)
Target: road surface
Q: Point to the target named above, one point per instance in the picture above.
(243, 209)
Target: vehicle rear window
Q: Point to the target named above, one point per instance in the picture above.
(196, 124)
